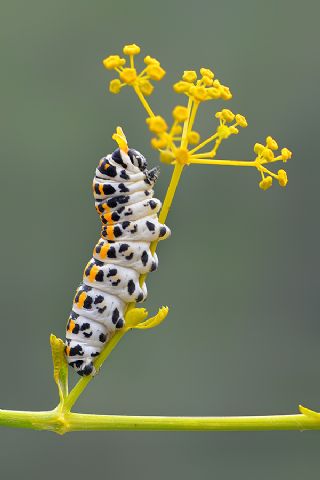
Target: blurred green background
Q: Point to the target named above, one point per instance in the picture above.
(243, 333)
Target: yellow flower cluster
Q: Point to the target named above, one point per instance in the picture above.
(128, 75)
(165, 138)
(265, 154)
(226, 116)
(173, 142)
(204, 88)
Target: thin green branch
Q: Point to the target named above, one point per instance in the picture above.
(84, 381)
(63, 423)
(114, 422)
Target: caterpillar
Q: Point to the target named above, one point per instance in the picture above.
(123, 193)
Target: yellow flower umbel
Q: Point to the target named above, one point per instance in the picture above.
(128, 75)
(173, 142)
(265, 155)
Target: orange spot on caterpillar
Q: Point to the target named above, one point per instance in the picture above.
(110, 233)
(93, 272)
(108, 218)
(104, 250)
(68, 351)
(104, 206)
(72, 324)
(82, 299)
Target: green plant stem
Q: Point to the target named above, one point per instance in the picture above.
(84, 381)
(62, 423)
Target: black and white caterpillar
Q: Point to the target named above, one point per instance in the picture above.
(123, 192)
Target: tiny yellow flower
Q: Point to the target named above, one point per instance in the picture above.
(158, 143)
(241, 121)
(225, 93)
(180, 114)
(182, 156)
(155, 71)
(151, 61)
(234, 130)
(267, 154)
(199, 93)
(216, 83)
(282, 178)
(132, 49)
(128, 75)
(189, 76)
(271, 143)
(266, 183)
(206, 72)
(145, 86)
(213, 92)
(193, 137)
(286, 154)
(157, 124)
(176, 130)
(227, 115)
(113, 61)
(181, 87)
(166, 156)
(207, 81)
(115, 86)
(258, 148)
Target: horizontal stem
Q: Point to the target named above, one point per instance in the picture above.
(115, 422)
(62, 423)
(47, 420)
(232, 163)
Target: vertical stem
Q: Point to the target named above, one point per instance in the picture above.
(170, 192)
(165, 209)
(193, 116)
(184, 138)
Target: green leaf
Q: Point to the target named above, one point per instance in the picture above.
(309, 413)
(154, 321)
(60, 366)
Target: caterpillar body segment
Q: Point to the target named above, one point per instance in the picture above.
(123, 193)
(135, 255)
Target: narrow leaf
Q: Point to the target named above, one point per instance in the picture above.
(306, 411)
(154, 321)
(60, 366)
(135, 316)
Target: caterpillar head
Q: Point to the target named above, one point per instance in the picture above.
(137, 159)
(130, 160)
